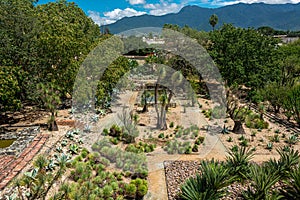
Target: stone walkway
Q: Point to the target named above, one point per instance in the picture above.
(213, 148)
(10, 166)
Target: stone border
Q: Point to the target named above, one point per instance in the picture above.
(23, 138)
(15, 165)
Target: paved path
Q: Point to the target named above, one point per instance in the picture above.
(213, 148)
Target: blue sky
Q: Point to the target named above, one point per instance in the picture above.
(108, 11)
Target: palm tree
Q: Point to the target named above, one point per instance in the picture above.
(210, 184)
(213, 20)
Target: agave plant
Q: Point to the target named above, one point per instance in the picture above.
(292, 186)
(238, 162)
(73, 148)
(292, 139)
(209, 185)
(51, 165)
(287, 162)
(70, 135)
(262, 180)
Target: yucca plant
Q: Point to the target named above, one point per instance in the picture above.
(262, 180)
(292, 186)
(238, 162)
(209, 184)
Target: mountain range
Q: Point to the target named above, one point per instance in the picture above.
(277, 16)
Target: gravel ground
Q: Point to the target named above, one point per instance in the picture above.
(176, 173)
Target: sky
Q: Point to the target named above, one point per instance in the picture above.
(109, 11)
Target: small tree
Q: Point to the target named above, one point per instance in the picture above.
(236, 113)
(48, 96)
(145, 96)
(293, 102)
(213, 20)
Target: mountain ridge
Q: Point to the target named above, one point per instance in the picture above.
(278, 16)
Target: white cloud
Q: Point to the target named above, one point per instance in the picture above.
(136, 2)
(164, 7)
(112, 16)
(117, 14)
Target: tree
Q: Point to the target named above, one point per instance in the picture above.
(236, 112)
(293, 102)
(213, 20)
(163, 99)
(66, 37)
(244, 56)
(9, 90)
(48, 96)
(145, 96)
(275, 94)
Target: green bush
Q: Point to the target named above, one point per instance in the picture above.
(171, 124)
(199, 140)
(195, 148)
(161, 135)
(130, 190)
(253, 121)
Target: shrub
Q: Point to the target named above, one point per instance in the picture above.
(130, 190)
(84, 153)
(244, 143)
(105, 132)
(171, 125)
(195, 148)
(114, 140)
(253, 121)
(107, 191)
(275, 138)
(161, 135)
(269, 146)
(115, 131)
(253, 133)
(199, 140)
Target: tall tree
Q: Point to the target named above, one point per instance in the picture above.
(67, 36)
(213, 20)
(244, 56)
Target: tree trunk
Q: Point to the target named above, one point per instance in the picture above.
(169, 100)
(53, 125)
(261, 116)
(163, 123)
(238, 127)
(145, 108)
(276, 109)
(156, 105)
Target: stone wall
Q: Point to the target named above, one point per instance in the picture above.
(23, 138)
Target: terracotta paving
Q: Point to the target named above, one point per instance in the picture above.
(10, 166)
